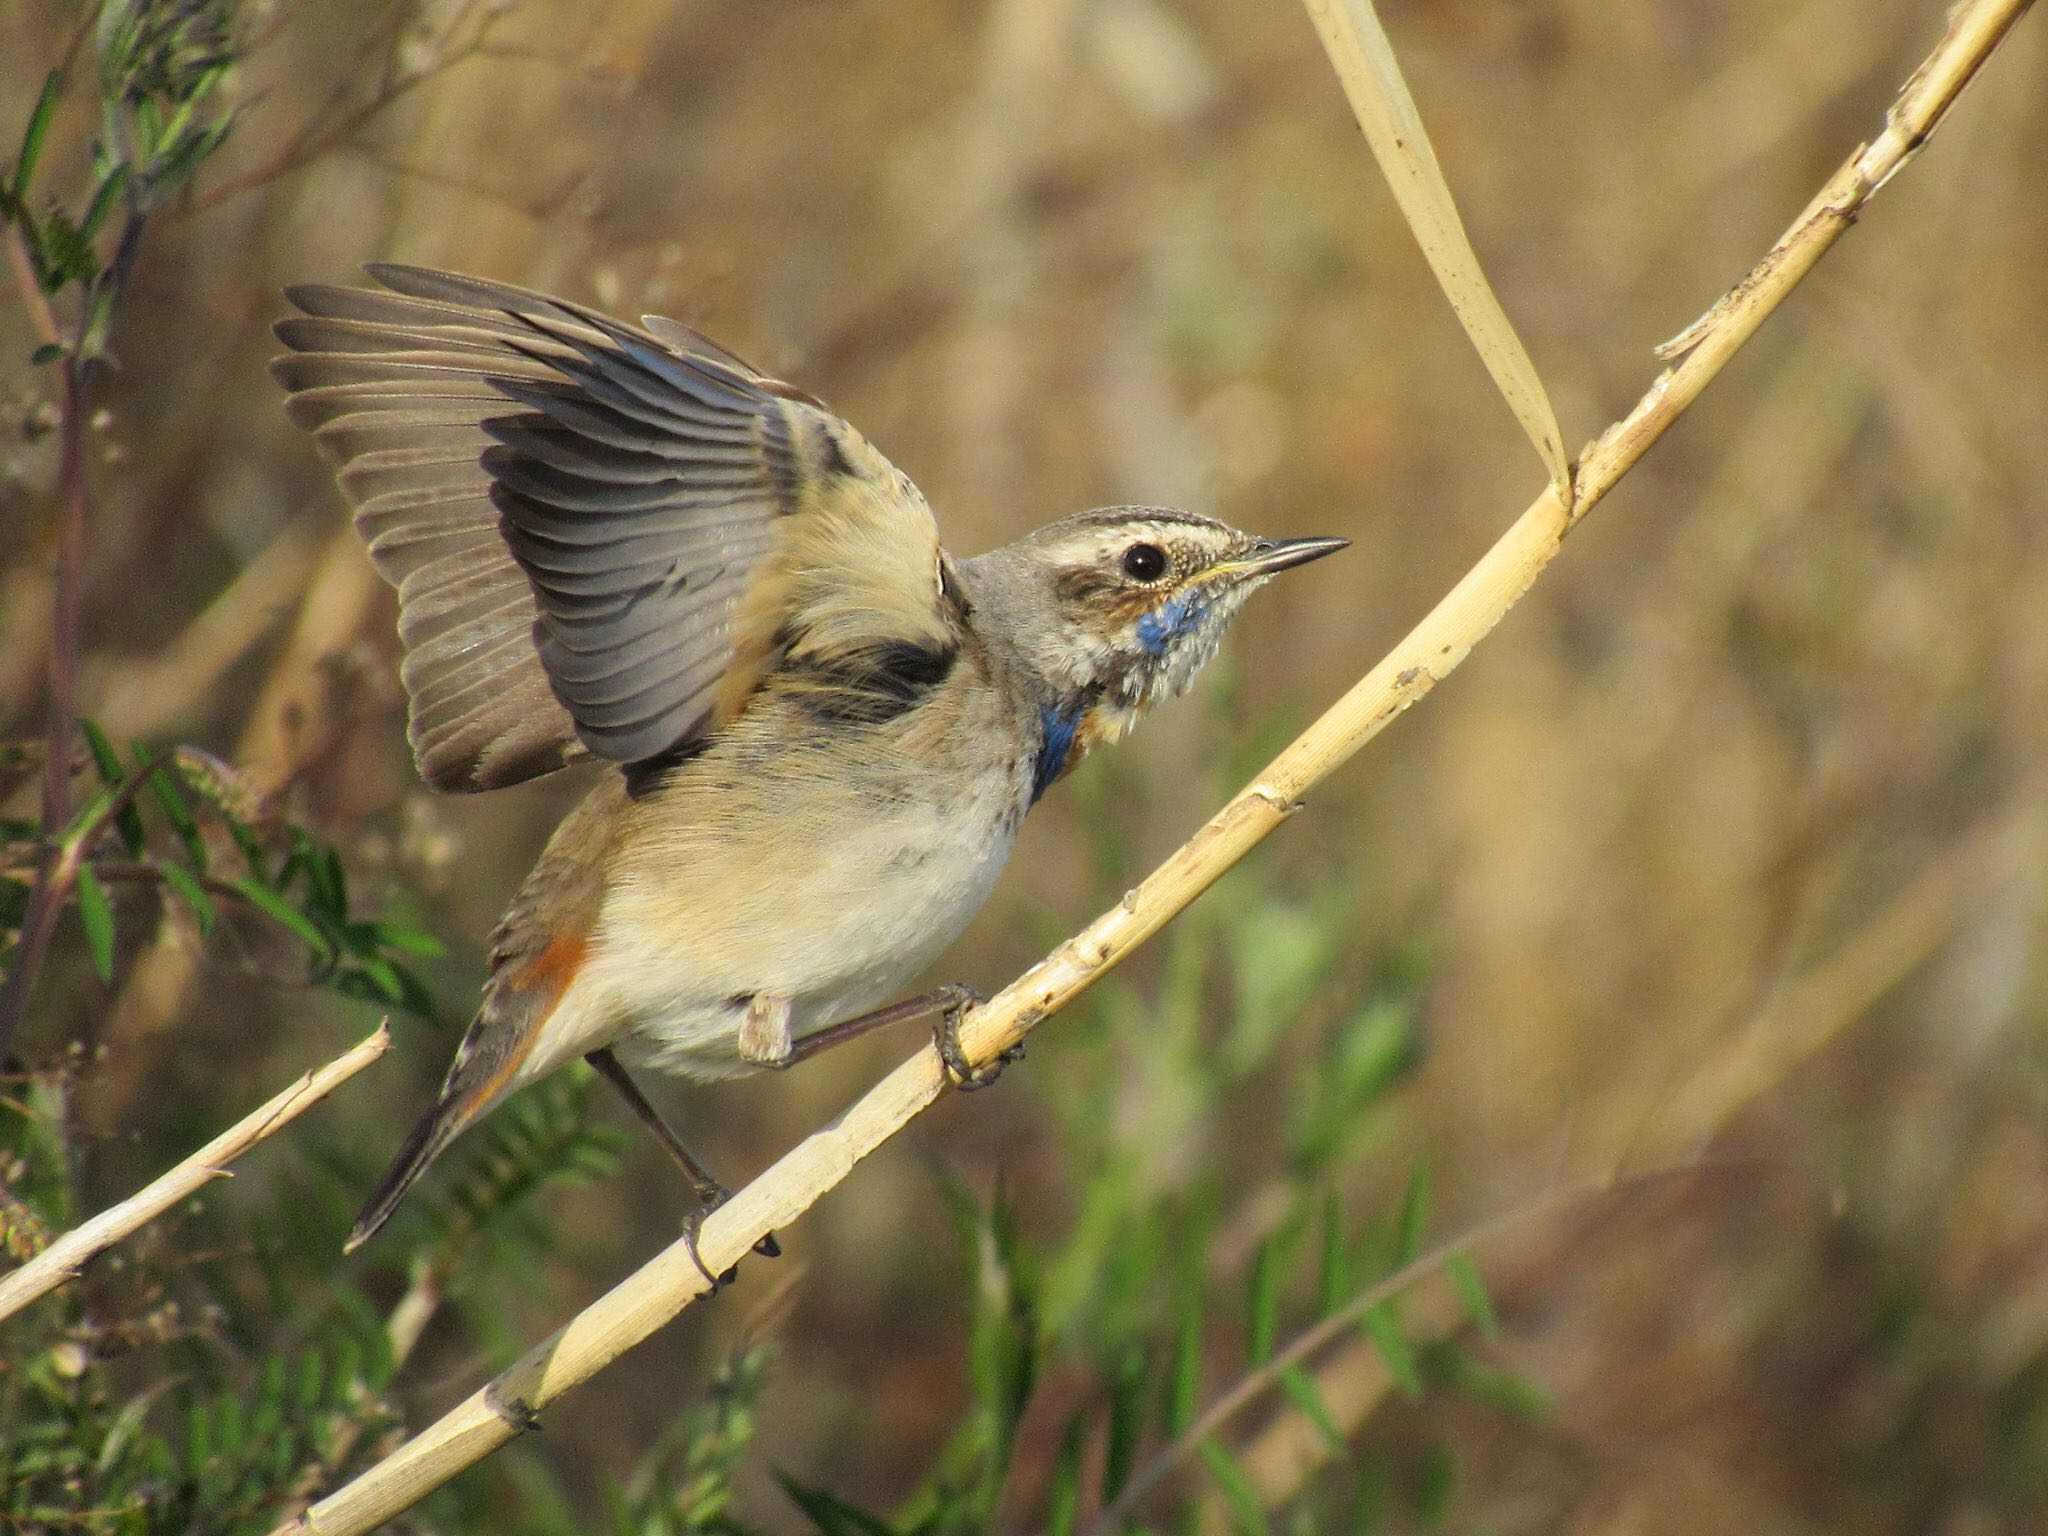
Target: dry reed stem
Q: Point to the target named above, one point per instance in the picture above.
(653, 1295)
(1371, 76)
(64, 1258)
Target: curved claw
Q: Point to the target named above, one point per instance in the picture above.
(692, 1225)
(965, 1075)
(767, 1247)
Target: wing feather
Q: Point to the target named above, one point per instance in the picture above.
(601, 535)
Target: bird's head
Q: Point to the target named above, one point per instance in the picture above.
(1118, 608)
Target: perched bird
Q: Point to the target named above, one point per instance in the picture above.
(625, 544)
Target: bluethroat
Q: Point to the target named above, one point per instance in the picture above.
(624, 543)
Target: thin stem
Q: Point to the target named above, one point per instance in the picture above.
(33, 299)
(60, 866)
(69, 1253)
(315, 139)
(1312, 1340)
(64, 621)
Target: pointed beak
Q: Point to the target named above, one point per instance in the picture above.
(1270, 555)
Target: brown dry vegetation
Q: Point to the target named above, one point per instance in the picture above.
(1734, 834)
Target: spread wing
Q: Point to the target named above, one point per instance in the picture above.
(602, 537)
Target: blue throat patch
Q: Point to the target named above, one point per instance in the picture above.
(1059, 724)
(1157, 628)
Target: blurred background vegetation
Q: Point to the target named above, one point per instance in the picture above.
(1728, 850)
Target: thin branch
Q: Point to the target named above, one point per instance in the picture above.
(64, 1258)
(660, 1289)
(53, 885)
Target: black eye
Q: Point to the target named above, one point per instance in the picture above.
(1144, 562)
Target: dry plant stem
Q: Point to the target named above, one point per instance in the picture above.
(53, 885)
(64, 1258)
(1371, 77)
(653, 1295)
(33, 298)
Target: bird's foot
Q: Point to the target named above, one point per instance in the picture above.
(966, 1076)
(710, 1199)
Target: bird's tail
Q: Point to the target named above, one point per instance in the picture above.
(486, 1069)
(436, 1129)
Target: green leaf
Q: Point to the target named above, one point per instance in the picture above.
(268, 1418)
(269, 902)
(99, 308)
(32, 137)
(1126, 1424)
(414, 996)
(48, 352)
(383, 977)
(194, 894)
(1370, 1496)
(1280, 953)
(102, 203)
(1004, 1330)
(329, 879)
(127, 820)
(1463, 1371)
(246, 844)
(97, 914)
(13, 908)
(178, 813)
(1303, 1392)
(1265, 1298)
(70, 257)
(122, 1432)
(1414, 1216)
(1333, 1270)
(1364, 1057)
(1472, 1292)
(407, 941)
(832, 1515)
(307, 1385)
(1436, 1486)
(1246, 1512)
(1384, 1329)
(1063, 1498)
(104, 757)
(1185, 1379)
(149, 127)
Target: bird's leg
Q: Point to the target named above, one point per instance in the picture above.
(949, 1002)
(950, 998)
(710, 1193)
(764, 1032)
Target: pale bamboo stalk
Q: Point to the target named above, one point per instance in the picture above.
(654, 1294)
(69, 1254)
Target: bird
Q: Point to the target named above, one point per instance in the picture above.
(819, 731)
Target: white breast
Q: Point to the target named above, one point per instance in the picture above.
(868, 875)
